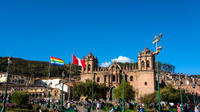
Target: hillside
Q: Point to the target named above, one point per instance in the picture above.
(35, 68)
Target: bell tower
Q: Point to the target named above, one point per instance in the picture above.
(91, 64)
(146, 60)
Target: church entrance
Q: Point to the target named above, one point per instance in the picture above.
(112, 94)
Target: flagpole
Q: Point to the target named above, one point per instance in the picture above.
(61, 102)
(69, 81)
(49, 73)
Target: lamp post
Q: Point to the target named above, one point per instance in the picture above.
(5, 94)
(92, 92)
(61, 96)
(123, 108)
(197, 99)
(187, 83)
(194, 85)
(181, 92)
(158, 48)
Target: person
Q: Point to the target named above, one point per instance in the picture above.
(138, 108)
(113, 109)
(141, 108)
(56, 109)
(178, 108)
(88, 106)
(189, 108)
(196, 109)
(68, 105)
(40, 110)
(98, 106)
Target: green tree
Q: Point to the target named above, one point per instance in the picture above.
(20, 98)
(85, 89)
(129, 94)
(168, 94)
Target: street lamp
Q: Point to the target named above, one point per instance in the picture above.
(158, 48)
(187, 83)
(194, 85)
(123, 108)
(5, 94)
(61, 96)
(92, 92)
(181, 92)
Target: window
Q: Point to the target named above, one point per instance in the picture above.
(105, 78)
(113, 78)
(148, 64)
(145, 83)
(131, 78)
(98, 79)
(142, 64)
(88, 67)
(126, 77)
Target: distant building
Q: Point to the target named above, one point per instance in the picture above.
(54, 86)
(16, 79)
(31, 89)
(141, 77)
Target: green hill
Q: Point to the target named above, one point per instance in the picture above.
(36, 68)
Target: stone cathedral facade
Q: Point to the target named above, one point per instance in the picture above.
(141, 77)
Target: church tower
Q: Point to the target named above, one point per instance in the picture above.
(146, 60)
(146, 73)
(91, 64)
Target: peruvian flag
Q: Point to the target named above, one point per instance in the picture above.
(77, 61)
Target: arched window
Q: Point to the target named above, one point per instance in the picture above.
(88, 67)
(94, 67)
(142, 64)
(105, 78)
(131, 78)
(148, 64)
(126, 77)
(98, 79)
(113, 78)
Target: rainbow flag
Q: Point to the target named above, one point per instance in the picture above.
(57, 61)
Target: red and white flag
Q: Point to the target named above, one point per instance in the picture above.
(77, 61)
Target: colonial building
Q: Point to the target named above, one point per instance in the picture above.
(16, 79)
(34, 91)
(141, 77)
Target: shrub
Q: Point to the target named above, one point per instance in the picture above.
(19, 98)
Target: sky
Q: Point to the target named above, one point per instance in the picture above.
(109, 29)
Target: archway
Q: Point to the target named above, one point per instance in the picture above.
(112, 94)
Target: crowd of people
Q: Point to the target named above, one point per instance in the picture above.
(100, 106)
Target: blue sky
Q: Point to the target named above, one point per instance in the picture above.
(38, 29)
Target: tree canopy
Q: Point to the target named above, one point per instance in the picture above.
(85, 89)
(20, 98)
(168, 94)
(129, 94)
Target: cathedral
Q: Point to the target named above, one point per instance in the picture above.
(141, 77)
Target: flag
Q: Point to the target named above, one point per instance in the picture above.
(57, 61)
(77, 61)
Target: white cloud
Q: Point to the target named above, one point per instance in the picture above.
(121, 59)
(105, 64)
